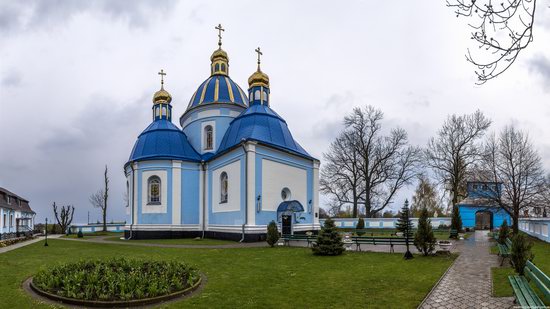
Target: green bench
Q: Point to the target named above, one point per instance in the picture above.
(525, 295)
(504, 250)
(368, 240)
(453, 234)
(299, 237)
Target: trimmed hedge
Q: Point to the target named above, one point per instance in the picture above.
(117, 279)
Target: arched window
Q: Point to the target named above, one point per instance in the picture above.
(217, 67)
(257, 95)
(157, 111)
(223, 187)
(265, 95)
(153, 190)
(223, 67)
(164, 111)
(208, 137)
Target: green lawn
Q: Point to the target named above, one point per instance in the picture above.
(278, 277)
(501, 285)
(177, 241)
(94, 234)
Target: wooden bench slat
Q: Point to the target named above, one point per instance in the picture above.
(514, 281)
(535, 277)
(531, 296)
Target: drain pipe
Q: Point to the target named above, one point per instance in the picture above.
(243, 141)
(203, 169)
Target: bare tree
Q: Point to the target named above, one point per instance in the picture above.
(501, 29)
(387, 163)
(455, 151)
(100, 198)
(65, 217)
(516, 166)
(340, 174)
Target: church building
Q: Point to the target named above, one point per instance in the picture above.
(231, 168)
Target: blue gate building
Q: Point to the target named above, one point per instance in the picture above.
(479, 209)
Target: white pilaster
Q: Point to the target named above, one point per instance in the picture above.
(135, 193)
(176, 192)
(315, 197)
(251, 182)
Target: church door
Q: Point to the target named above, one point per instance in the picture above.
(484, 220)
(287, 224)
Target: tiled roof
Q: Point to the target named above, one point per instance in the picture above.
(14, 204)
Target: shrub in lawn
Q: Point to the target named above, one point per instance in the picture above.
(329, 241)
(520, 252)
(424, 238)
(360, 227)
(404, 225)
(456, 221)
(503, 232)
(272, 233)
(116, 279)
(80, 234)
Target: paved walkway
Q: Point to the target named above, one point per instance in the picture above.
(467, 284)
(25, 243)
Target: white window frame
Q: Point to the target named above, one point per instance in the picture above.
(150, 181)
(224, 187)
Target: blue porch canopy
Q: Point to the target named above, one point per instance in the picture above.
(290, 206)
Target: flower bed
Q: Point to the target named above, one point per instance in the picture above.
(13, 241)
(116, 280)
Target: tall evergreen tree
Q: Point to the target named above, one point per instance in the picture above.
(329, 242)
(424, 238)
(456, 220)
(404, 225)
(360, 227)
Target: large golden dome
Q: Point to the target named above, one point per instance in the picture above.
(258, 78)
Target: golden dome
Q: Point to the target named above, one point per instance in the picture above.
(162, 96)
(258, 78)
(219, 54)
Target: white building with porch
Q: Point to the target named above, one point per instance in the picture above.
(16, 216)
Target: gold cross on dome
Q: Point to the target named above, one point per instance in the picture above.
(257, 50)
(220, 29)
(162, 74)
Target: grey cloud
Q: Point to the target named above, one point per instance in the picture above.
(540, 65)
(11, 79)
(21, 15)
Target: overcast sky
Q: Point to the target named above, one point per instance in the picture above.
(77, 78)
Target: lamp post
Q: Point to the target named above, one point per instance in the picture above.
(46, 239)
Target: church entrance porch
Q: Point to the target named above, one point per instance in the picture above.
(484, 220)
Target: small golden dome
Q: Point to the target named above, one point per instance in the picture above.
(162, 96)
(258, 78)
(219, 54)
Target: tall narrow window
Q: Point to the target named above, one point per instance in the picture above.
(5, 219)
(223, 187)
(127, 194)
(154, 190)
(223, 67)
(208, 137)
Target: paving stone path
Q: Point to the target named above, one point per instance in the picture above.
(467, 284)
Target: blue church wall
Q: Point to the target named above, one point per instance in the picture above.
(155, 218)
(194, 129)
(263, 217)
(227, 217)
(468, 215)
(483, 189)
(190, 203)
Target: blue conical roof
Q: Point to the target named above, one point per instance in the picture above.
(163, 140)
(260, 123)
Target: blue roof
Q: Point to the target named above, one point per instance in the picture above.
(228, 92)
(260, 123)
(163, 140)
(293, 206)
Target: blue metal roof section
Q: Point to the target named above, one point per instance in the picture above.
(260, 123)
(218, 89)
(163, 140)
